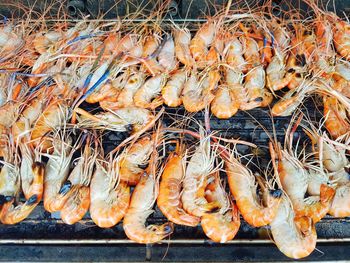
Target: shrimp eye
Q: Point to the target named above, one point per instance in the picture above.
(142, 166)
(32, 200)
(9, 198)
(65, 187)
(260, 99)
(307, 32)
(298, 75)
(168, 229)
(129, 127)
(276, 193)
(301, 60)
(291, 70)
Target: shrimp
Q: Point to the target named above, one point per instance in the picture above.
(243, 188)
(182, 47)
(341, 32)
(197, 95)
(168, 199)
(10, 42)
(133, 160)
(234, 82)
(198, 170)
(105, 92)
(10, 187)
(44, 41)
(56, 173)
(53, 117)
(31, 172)
(294, 236)
(78, 201)
(294, 179)
(171, 92)
(336, 120)
(201, 41)
(150, 62)
(166, 55)
(109, 200)
(142, 201)
(255, 87)
(124, 119)
(233, 55)
(126, 95)
(224, 105)
(148, 95)
(223, 225)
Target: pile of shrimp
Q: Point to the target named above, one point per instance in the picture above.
(62, 87)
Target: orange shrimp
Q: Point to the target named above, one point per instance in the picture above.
(197, 95)
(147, 96)
(336, 120)
(198, 170)
(171, 92)
(56, 172)
(150, 63)
(142, 201)
(133, 160)
(233, 55)
(201, 41)
(294, 236)
(224, 105)
(107, 90)
(168, 199)
(341, 32)
(109, 200)
(243, 188)
(78, 201)
(182, 46)
(220, 226)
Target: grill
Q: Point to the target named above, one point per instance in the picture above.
(44, 237)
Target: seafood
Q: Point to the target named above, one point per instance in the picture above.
(198, 170)
(196, 95)
(294, 236)
(109, 198)
(182, 46)
(243, 187)
(223, 225)
(142, 201)
(171, 92)
(169, 201)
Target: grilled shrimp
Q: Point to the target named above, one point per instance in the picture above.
(255, 87)
(336, 120)
(168, 199)
(171, 92)
(10, 42)
(201, 41)
(124, 119)
(197, 95)
(182, 46)
(147, 96)
(223, 225)
(126, 95)
(56, 173)
(31, 172)
(10, 187)
(224, 105)
(294, 179)
(142, 201)
(53, 117)
(78, 189)
(341, 32)
(294, 236)
(133, 160)
(243, 188)
(150, 63)
(166, 57)
(198, 170)
(233, 55)
(109, 198)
